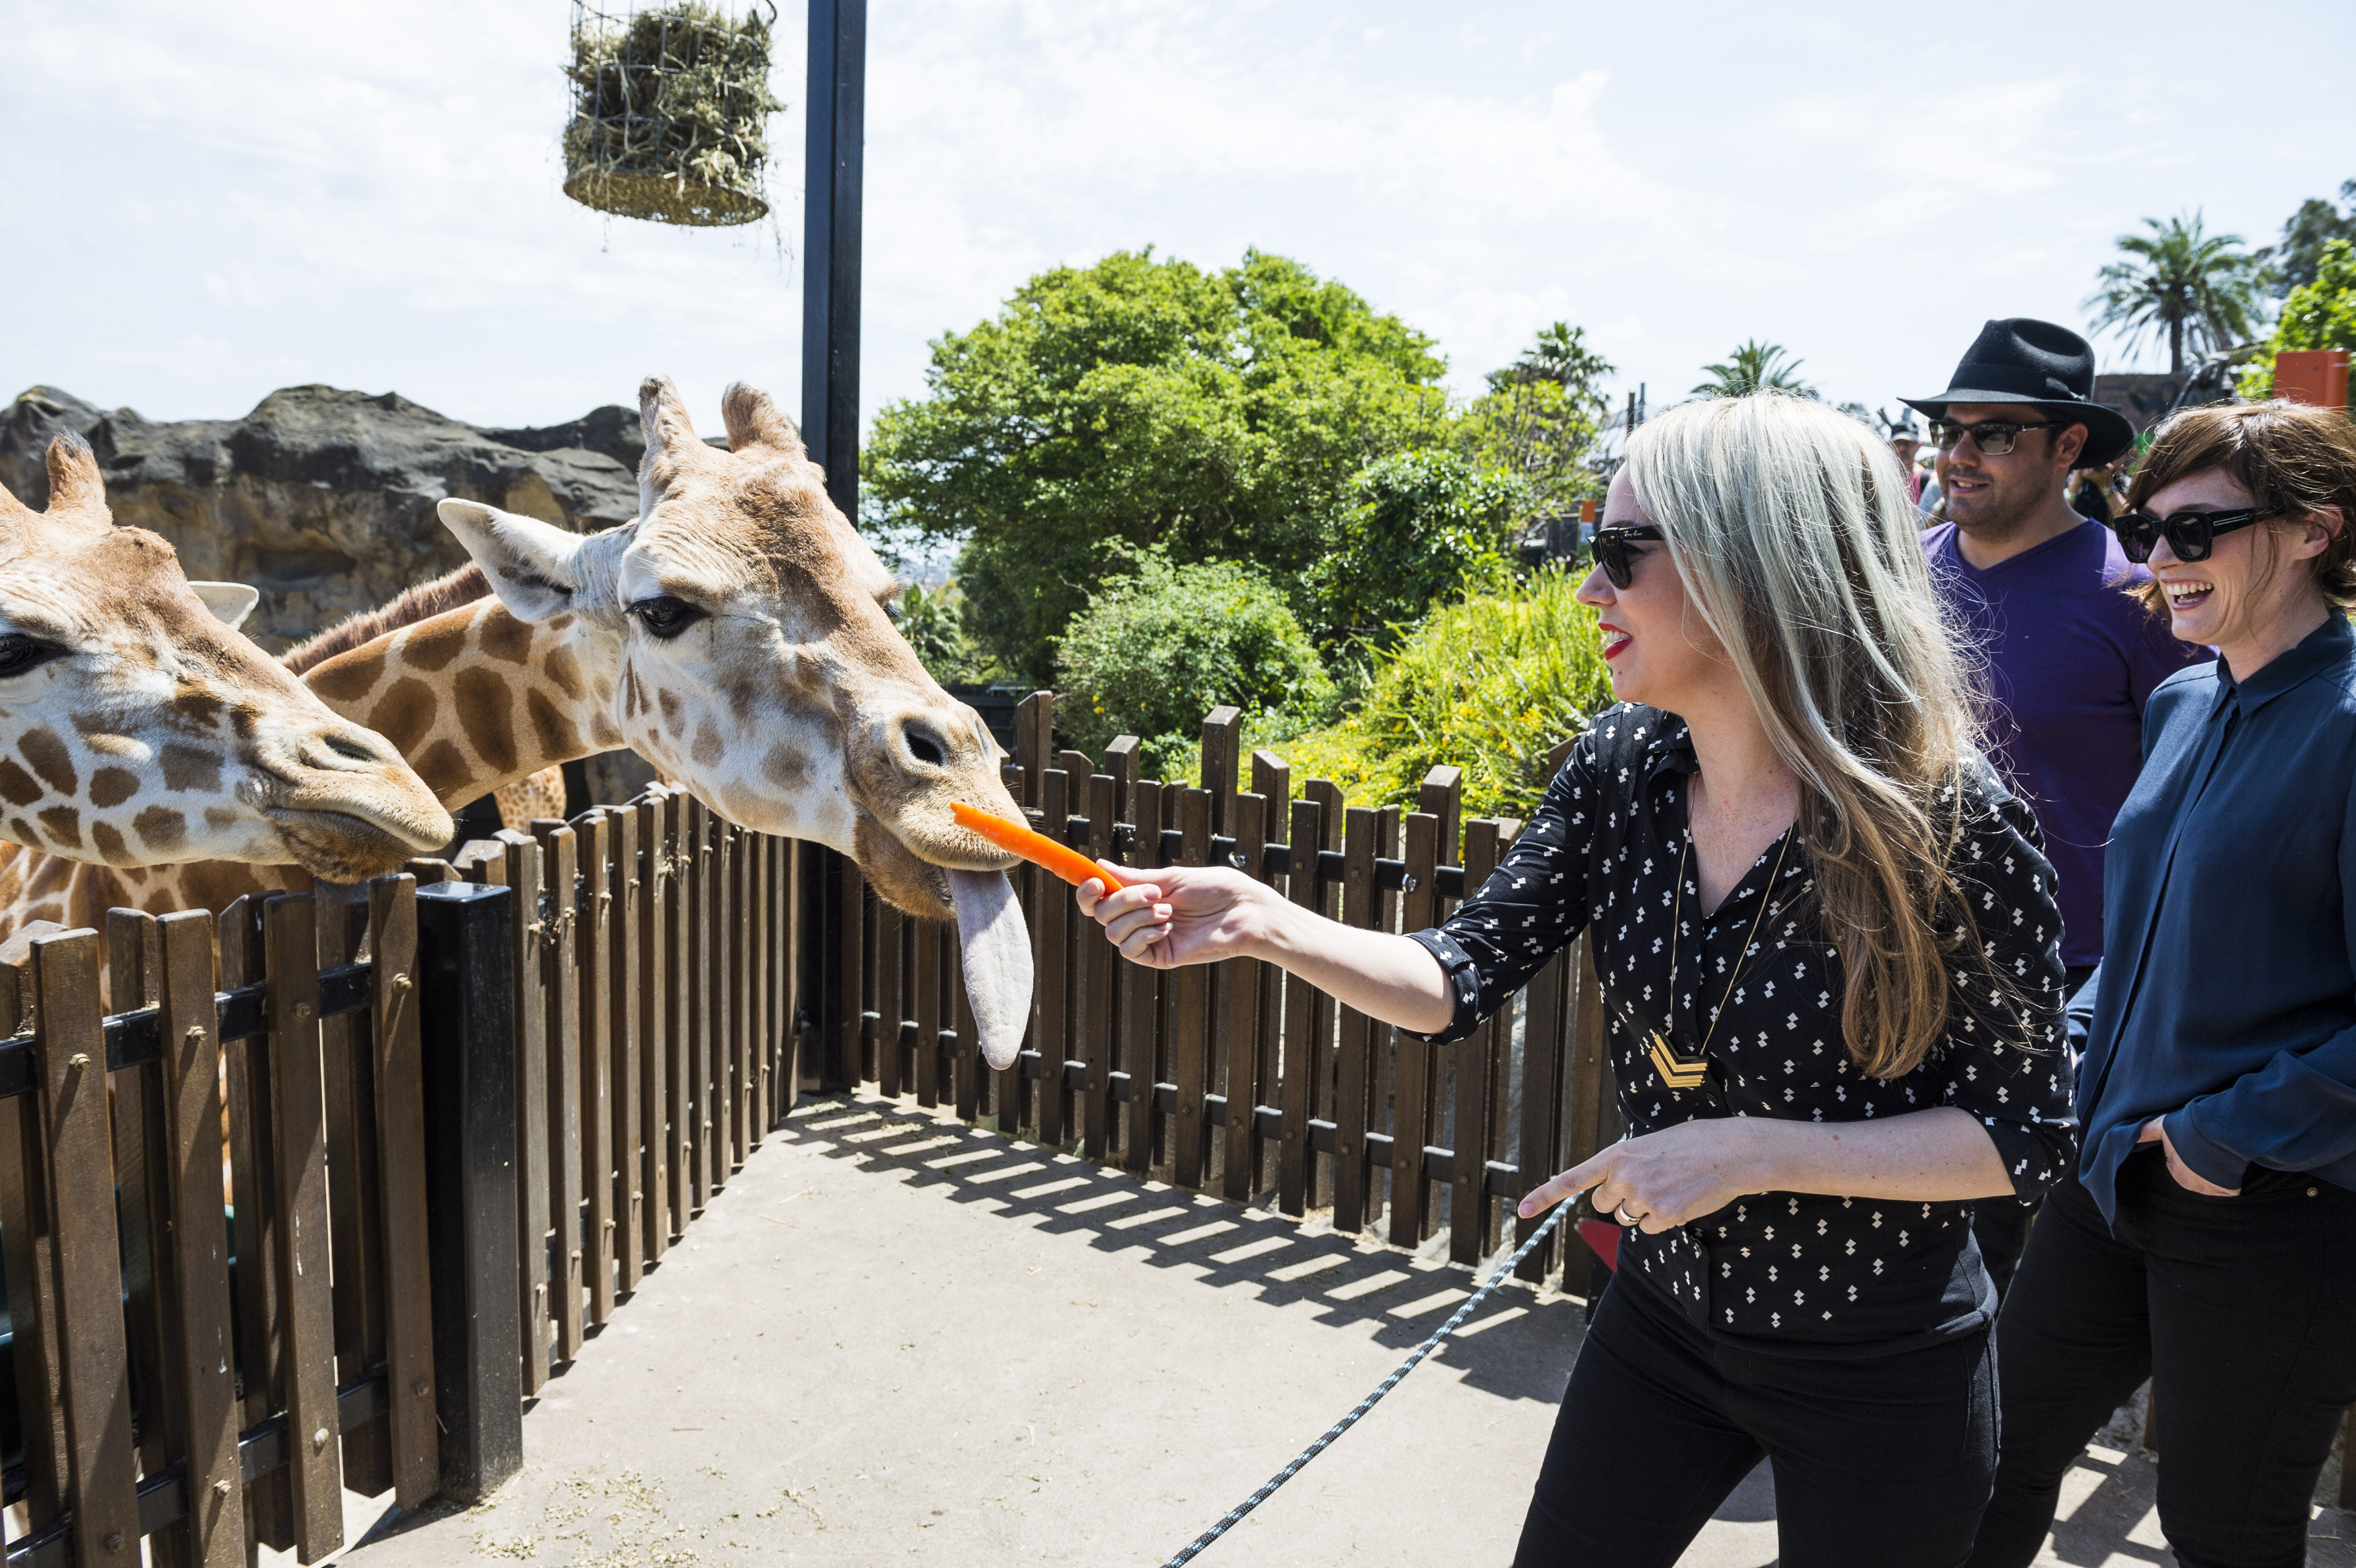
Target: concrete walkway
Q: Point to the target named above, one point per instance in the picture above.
(895, 1339)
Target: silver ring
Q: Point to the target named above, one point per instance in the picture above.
(1620, 1214)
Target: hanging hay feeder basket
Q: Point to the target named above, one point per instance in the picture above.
(671, 110)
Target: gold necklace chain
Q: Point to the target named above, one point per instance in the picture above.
(1676, 1070)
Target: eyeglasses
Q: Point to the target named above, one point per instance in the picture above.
(1614, 551)
(2189, 534)
(1993, 437)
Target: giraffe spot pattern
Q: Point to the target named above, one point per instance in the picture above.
(507, 639)
(108, 841)
(112, 786)
(18, 787)
(442, 767)
(405, 715)
(486, 712)
(63, 825)
(347, 678)
(550, 730)
(432, 646)
(41, 747)
(562, 668)
(189, 767)
(786, 767)
(707, 748)
(200, 707)
(164, 829)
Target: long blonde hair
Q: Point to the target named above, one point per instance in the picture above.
(1791, 527)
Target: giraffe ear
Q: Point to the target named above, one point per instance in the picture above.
(533, 566)
(230, 603)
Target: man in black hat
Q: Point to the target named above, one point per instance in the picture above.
(2071, 657)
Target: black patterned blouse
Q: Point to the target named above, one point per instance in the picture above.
(1813, 1274)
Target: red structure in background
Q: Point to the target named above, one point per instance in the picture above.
(2312, 376)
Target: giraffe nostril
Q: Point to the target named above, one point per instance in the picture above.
(352, 749)
(925, 746)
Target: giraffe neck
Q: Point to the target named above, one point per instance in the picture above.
(476, 698)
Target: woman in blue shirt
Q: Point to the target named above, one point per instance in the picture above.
(2209, 1238)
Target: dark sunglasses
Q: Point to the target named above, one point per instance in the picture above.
(2189, 534)
(1615, 552)
(1993, 437)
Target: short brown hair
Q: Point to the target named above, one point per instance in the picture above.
(2295, 459)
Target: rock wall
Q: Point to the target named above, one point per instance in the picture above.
(323, 499)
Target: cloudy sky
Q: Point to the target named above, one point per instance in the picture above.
(214, 200)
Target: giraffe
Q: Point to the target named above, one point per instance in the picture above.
(736, 636)
(138, 728)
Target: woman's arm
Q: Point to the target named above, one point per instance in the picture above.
(1199, 915)
(1679, 1174)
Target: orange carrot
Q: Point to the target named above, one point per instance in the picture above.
(1036, 847)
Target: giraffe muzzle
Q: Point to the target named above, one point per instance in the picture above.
(347, 807)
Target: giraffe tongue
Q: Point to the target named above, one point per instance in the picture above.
(996, 947)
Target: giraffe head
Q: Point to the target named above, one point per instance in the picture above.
(138, 727)
(739, 637)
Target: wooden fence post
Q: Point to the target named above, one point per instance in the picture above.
(72, 1052)
(1360, 909)
(188, 1030)
(314, 1458)
(467, 1012)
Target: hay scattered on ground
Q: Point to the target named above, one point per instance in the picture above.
(671, 110)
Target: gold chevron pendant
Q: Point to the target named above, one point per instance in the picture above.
(1675, 1071)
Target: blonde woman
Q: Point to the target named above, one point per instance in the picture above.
(1829, 955)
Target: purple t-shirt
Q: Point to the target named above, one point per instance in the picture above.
(2071, 659)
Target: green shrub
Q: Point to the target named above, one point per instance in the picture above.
(1491, 685)
(1419, 523)
(1158, 649)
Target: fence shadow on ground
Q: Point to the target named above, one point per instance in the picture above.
(1519, 1346)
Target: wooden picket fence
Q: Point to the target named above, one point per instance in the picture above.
(171, 1384)
(655, 948)
(446, 1153)
(1235, 1078)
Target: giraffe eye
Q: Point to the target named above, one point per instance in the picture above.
(665, 617)
(19, 653)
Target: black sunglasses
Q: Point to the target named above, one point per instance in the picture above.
(2189, 534)
(1993, 437)
(1614, 554)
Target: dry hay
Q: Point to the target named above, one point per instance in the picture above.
(671, 110)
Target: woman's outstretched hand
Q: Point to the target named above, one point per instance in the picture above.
(1662, 1180)
(1179, 914)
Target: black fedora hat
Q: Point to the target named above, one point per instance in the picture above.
(2023, 360)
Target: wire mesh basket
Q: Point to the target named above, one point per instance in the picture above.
(671, 110)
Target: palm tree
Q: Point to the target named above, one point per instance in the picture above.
(1560, 355)
(1755, 366)
(2198, 288)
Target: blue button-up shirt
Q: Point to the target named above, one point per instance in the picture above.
(2226, 1000)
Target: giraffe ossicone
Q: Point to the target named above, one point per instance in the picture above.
(139, 727)
(735, 635)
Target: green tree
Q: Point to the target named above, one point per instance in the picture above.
(1161, 645)
(2292, 264)
(1423, 522)
(1536, 426)
(2183, 283)
(1140, 402)
(1755, 366)
(2321, 314)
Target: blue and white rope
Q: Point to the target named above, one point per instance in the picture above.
(1368, 1404)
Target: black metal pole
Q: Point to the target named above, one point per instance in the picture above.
(466, 968)
(832, 177)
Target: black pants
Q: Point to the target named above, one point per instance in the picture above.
(1879, 1463)
(2239, 1311)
